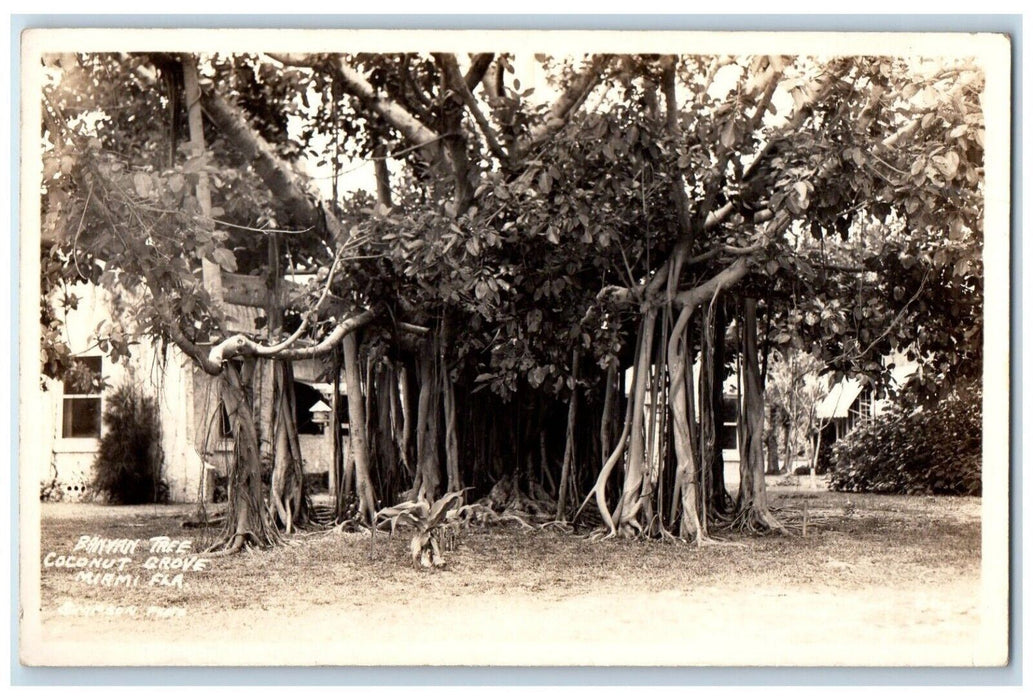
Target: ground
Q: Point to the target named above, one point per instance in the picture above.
(876, 580)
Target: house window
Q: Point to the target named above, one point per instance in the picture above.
(728, 433)
(81, 410)
(225, 423)
(861, 411)
(225, 426)
(305, 397)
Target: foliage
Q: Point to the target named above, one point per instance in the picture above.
(428, 520)
(794, 388)
(911, 450)
(128, 464)
(885, 254)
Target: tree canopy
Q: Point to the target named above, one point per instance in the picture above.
(535, 235)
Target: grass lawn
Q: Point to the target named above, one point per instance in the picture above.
(877, 580)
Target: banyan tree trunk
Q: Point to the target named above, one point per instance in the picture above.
(709, 408)
(337, 464)
(571, 438)
(428, 477)
(719, 502)
(357, 429)
(247, 520)
(389, 475)
(606, 423)
(685, 496)
(448, 405)
(771, 439)
(287, 483)
(404, 432)
(752, 509)
(633, 494)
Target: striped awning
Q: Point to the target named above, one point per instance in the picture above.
(838, 402)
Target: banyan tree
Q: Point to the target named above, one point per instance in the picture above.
(548, 283)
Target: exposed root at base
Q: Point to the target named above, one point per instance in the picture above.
(755, 521)
(232, 546)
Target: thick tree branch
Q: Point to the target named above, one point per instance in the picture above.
(300, 60)
(566, 104)
(726, 278)
(415, 131)
(478, 67)
(491, 81)
(242, 346)
(816, 91)
(191, 349)
(355, 84)
(459, 84)
(766, 84)
(726, 250)
(275, 173)
(681, 200)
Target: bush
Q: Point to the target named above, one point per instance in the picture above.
(912, 450)
(128, 465)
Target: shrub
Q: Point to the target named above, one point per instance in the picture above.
(911, 450)
(429, 521)
(128, 465)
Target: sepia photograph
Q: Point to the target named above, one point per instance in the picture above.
(514, 348)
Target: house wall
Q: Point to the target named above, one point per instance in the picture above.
(316, 453)
(317, 450)
(183, 466)
(70, 466)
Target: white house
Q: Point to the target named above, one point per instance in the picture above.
(850, 404)
(195, 438)
(727, 433)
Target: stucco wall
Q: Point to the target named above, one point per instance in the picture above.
(167, 379)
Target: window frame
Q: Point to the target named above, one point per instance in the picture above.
(729, 425)
(69, 398)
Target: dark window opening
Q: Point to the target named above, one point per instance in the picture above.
(728, 437)
(305, 397)
(81, 418)
(728, 431)
(81, 408)
(225, 426)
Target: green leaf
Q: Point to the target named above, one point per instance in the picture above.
(728, 134)
(143, 185)
(224, 258)
(544, 182)
(440, 508)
